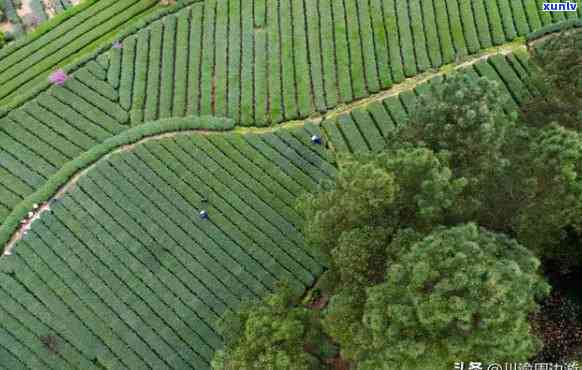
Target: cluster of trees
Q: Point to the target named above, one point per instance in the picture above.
(437, 246)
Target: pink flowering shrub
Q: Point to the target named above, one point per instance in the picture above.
(117, 45)
(58, 77)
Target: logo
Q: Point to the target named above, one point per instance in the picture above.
(560, 7)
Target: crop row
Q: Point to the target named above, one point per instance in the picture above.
(133, 277)
(125, 266)
(228, 271)
(14, 180)
(295, 58)
(367, 128)
(59, 125)
(249, 218)
(26, 67)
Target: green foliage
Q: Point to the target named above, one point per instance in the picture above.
(326, 283)
(360, 256)
(552, 216)
(342, 321)
(464, 117)
(57, 180)
(131, 19)
(305, 56)
(2, 39)
(459, 293)
(553, 28)
(140, 274)
(507, 19)
(406, 187)
(361, 195)
(18, 71)
(271, 334)
(460, 159)
(557, 79)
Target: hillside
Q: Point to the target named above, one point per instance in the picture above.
(207, 105)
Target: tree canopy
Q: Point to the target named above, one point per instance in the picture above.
(557, 82)
(435, 244)
(460, 293)
(270, 334)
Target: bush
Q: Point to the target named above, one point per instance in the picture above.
(123, 33)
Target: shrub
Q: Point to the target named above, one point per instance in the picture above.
(58, 77)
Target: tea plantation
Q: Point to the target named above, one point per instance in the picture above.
(205, 106)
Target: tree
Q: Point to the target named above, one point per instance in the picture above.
(464, 117)
(271, 334)
(374, 196)
(557, 79)
(550, 222)
(460, 293)
(360, 195)
(360, 256)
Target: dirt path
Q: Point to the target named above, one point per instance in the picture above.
(413, 82)
(407, 84)
(24, 10)
(6, 27)
(48, 8)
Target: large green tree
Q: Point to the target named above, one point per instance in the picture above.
(434, 244)
(460, 293)
(556, 81)
(271, 334)
(464, 117)
(351, 221)
(550, 221)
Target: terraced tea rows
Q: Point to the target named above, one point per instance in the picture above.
(26, 63)
(367, 127)
(118, 270)
(72, 168)
(331, 53)
(266, 62)
(43, 135)
(124, 272)
(125, 253)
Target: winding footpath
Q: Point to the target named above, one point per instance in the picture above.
(406, 85)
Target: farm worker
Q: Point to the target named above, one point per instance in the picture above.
(316, 139)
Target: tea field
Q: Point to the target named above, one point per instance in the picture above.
(155, 188)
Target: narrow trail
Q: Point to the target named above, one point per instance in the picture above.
(407, 84)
